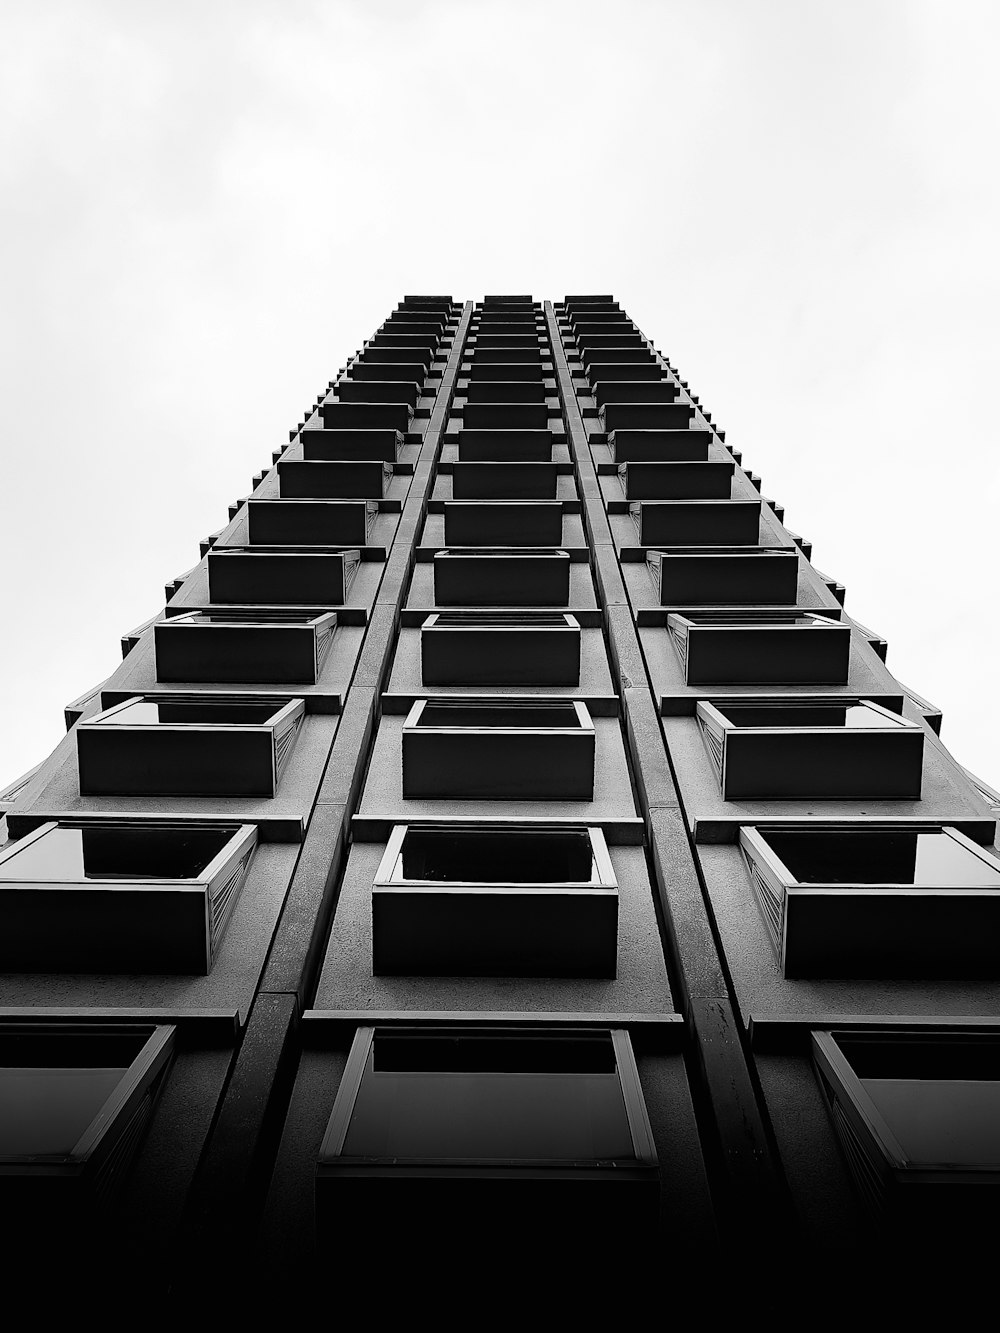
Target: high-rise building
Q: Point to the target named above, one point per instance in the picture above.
(503, 866)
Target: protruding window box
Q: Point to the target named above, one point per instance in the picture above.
(519, 342)
(498, 749)
(676, 481)
(795, 750)
(311, 522)
(356, 479)
(768, 649)
(503, 391)
(697, 522)
(508, 446)
(507, 372)
(470, 648)
(730, 578)
(876, 902)
(377, 391)
(453, 901)
(405, 325)
(500, 576)
(504, 481)
(620, 328)
(505, 416)
(399, 357)
(659, 446)
(410, 341)
(599, 372)
(182, 747)
(121, 896)
(636, 354)
(645, 416)
(250, 647)
(536, 1132)
(504, 356)
(282, 578)
(411, 372)
(74, 1101)
(366, 416)
(502, 523)
(321, 446)
(918, 1117)
(634, 391)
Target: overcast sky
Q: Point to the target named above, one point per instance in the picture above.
(207, 206)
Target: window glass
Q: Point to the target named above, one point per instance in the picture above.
(44, 1111)
(849, 716)
(508, 857)
(95, 853)
(491, 1099)
(929, 859)
(156, 712)
(500, 715)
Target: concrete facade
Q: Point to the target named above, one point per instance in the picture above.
(482, 471)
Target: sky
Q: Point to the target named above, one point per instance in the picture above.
(206, 207)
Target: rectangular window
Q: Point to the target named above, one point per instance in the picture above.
(634, 391)
(251, 647)
(917, 1114)
(604, 372)
(645, 416)
(499, 749)
(121, 896)
(338, 415)
(353, 479)
(454, 901)
(160, 746)
(310, 522)
(505, 416)
(365, 393)
(503, 391)
(504, 480)
(321, 445)
(498, 576)
(770, 648)
(412, 372)
(521, 371)
(659, 446)
(697, 522)
(296, 578)
(506, 446)
(536, 1130)
(480, 648)
(689, 578)
(502, 523)
(676, 481)
(74, 1101)
(876, 901)
(822, 750)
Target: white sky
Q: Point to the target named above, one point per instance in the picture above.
(207, 206)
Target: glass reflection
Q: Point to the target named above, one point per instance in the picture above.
(105, 853)
(156, 712)
(510, 857)
(44, 1111)
(928, 859)
(849, 716)
(490, 1099)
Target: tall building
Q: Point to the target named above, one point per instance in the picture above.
(502, 867)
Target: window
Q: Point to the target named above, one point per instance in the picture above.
(499, 749)
(495, 576)
(311, 578)
(659, 446)
(338, 415)
(399, 370)
(676, 481)
(642, 390)
(697, 522)
(321, 445)
(917, 1114)
(480, 371)
(505, 416)
(310, 522)
(352, 479)
(823, 750)
(502, 480)
(645, 416)
(74, 1100)
(510, 1118)
(161, 746)
(603, 372)
(725, 578)
(876, 901)
(366, 392)
(477, 648)
(506, 446)
(767, 649)
(121, 895)
(502, 523)
(270, 647)
(504, 391)
(521, 901)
